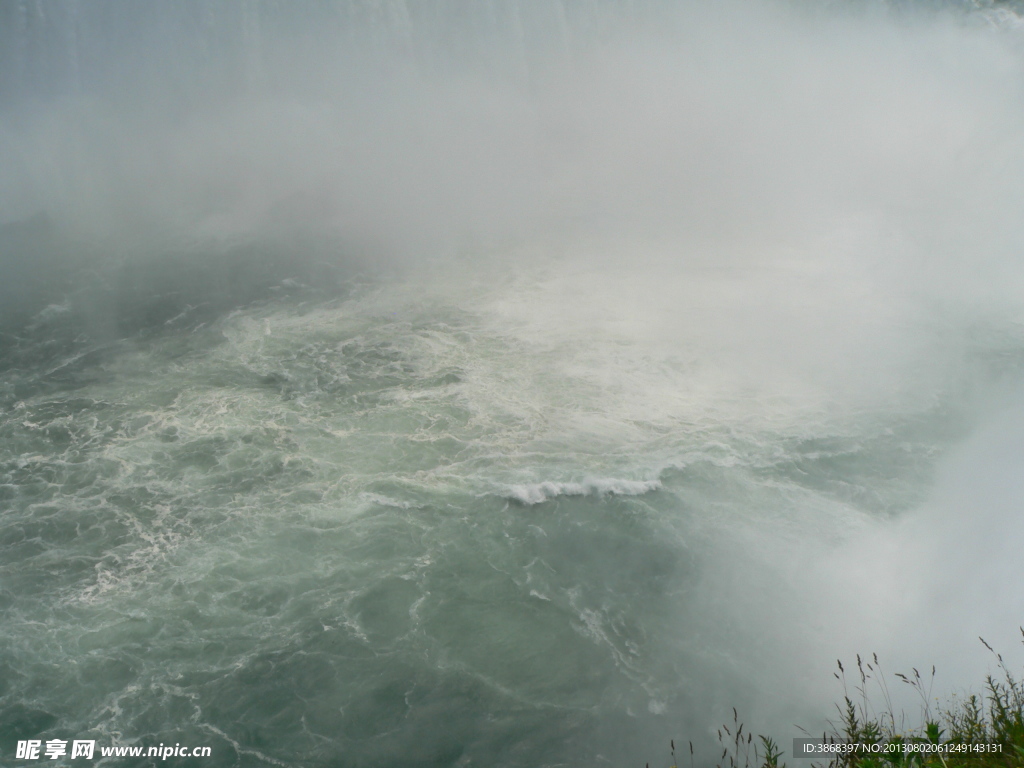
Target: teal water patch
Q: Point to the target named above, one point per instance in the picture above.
(276, 549)
(347, 533)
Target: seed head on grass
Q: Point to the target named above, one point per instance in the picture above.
(994, 720)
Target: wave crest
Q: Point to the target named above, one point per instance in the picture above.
(537, 493)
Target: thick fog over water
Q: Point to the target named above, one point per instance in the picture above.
(498, 383)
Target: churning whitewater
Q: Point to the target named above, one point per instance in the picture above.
(500, 385)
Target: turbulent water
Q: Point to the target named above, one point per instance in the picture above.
(525, 410)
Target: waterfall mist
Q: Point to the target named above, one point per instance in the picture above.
(502, 383)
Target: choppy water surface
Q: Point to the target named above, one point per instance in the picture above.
(394, 526)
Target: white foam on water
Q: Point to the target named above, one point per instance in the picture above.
(545, 491)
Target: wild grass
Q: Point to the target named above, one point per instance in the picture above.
(972, 731)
